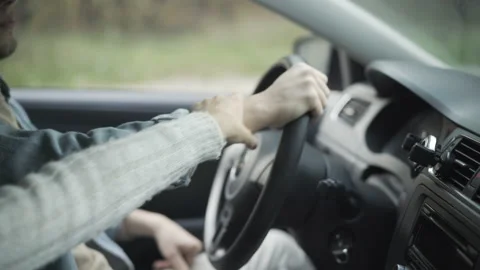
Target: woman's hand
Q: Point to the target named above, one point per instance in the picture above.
(178, 247)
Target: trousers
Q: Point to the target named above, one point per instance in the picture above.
(279, 251)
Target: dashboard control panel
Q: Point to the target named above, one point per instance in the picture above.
(439, 243)
(440, 226)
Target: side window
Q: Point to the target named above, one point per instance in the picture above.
(197, 45)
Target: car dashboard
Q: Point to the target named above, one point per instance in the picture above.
(426, 164)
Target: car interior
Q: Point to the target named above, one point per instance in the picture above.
(388, 178)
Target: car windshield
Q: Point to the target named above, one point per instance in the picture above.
(448, 29)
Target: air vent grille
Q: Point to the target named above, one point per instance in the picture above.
(353, 111)
(466, 163)
(476, 197)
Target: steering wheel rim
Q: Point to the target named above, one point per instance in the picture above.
(272, 196)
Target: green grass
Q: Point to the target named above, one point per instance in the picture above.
(89, 59)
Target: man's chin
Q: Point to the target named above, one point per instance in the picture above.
(7, 48)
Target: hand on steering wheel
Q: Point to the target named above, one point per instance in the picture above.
(249, 188)
(301, 89)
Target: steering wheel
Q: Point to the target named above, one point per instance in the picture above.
(249, 190)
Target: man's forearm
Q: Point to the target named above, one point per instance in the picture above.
(69, 201)
(33, 149)
(256, 115)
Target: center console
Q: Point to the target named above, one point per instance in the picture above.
(440, 224)
(439, 241)
(434, 235)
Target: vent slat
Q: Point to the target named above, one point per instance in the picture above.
(460, 181)
(477, 152)
(469, 150)
(458, 185)
(468, 157)
(467, 178)
(465, 165)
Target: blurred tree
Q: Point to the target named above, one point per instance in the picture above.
(227, 9)
(124, 15)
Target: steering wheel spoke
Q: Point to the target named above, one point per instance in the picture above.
(225, 218)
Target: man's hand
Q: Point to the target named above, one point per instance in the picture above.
(228, 111)
(177, 245)
(300, 90)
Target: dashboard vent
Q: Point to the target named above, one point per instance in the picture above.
(466, 163)
(353, 111)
